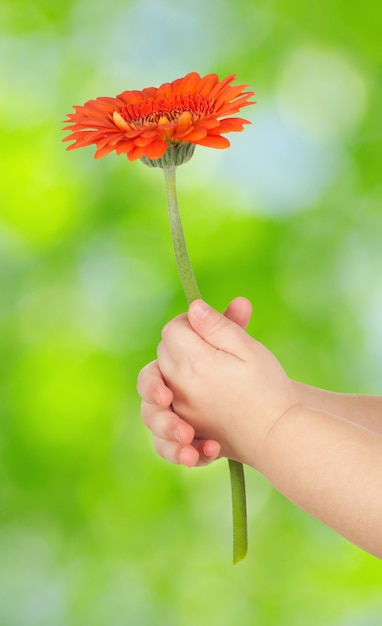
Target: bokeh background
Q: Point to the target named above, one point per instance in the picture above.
(95, 529)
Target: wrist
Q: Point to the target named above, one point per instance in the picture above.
(263, 451)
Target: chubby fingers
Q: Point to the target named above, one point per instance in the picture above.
(173, 437)
(156, 410)
(218, 330)
(200, 452)
(239, 311)
(203, 330)
(151, 386)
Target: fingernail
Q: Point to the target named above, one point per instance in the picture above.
(200, 309)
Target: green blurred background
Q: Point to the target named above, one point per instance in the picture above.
(95, 529)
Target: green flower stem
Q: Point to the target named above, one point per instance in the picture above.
(191, 290)
(239, 510)
(187, 278)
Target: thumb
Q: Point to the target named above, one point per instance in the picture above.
(216, 329)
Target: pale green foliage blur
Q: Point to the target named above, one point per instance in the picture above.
(95, 529)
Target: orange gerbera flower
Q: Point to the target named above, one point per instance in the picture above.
(144, 124)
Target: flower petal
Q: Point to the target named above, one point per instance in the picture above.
(208, 83)
(214, 141)
(136, 153)
(156, 149)
(184, 122)
(232, 124)
(195, 134)
(221, 86)
(120, 122)
(124, 146)
(101, 152)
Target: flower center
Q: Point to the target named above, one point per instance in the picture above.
(154, 111)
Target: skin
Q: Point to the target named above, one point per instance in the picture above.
(215, 391)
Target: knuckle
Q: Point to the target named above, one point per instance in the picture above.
(174, 324)
(144, 377)
(158, 446)
(145, 414)
(141, 380)
(167, 329)
(219, 327)
(160, 348)
(165, 450)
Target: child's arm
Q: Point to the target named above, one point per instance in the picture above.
(364, 410)
(332, 469)
(229, 389)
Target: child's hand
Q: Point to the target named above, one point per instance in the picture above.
(174, 439)
(224, 384)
